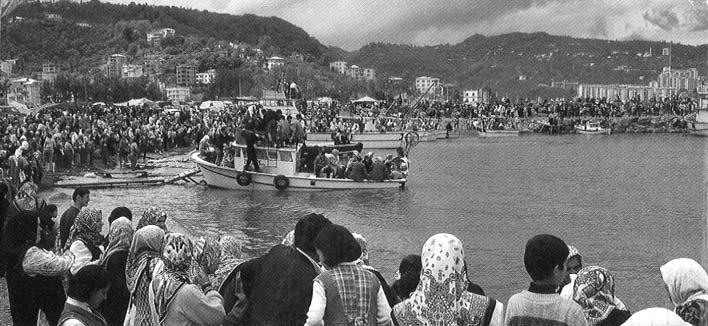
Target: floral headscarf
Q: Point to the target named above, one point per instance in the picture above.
(441, 297)
(177, 256)
(120, 236)
(26, 198)
(572, 252)
(146, 244)
(594, 290)
(153, 216)
(87, 227)
(207, 251)
(230, 247)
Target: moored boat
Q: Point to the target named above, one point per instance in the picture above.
(698, 123)
(592, 128)
(497, 133)
(280, 169)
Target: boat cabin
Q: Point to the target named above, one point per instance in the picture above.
(289, 161)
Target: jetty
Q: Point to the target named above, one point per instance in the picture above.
(123, 179)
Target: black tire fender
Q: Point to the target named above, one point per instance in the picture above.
(243, 179)
(281, 182)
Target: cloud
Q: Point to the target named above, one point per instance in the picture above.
(351, 24)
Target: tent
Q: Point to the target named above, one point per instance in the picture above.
(365, 99)
(140, 102)
(212, 105)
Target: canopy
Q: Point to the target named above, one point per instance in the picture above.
(365, 99)
(140, 102)
(212, 105)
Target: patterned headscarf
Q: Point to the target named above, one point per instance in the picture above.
(572, 252)
(153, 216)
(207, 251)
(230, 247)
(146, 244)
(685, 279)
(441, 297)
(177, 256)
(120, 235)
(26, 198)
(594, 290)
(87, 227)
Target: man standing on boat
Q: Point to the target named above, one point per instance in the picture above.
(250, 136)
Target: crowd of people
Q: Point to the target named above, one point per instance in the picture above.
(68, 273)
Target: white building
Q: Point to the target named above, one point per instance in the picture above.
(424, 83)
(24, 90)
(178, 93)
(677, 79)
(206, 77)
(132, 71)
(368, 73)
(156, 36)
(472, 96)
(6, 66)
(339, 66)
(273, 62)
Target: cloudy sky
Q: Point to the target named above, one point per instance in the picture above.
(351, 24)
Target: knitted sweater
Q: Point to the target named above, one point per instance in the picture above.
(543, 309)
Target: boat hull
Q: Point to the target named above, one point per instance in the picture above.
(224, 177)
(603, 131)
(498, 133)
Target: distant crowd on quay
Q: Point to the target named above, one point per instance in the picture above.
(70, 136)
(64, 271)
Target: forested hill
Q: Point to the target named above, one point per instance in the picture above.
(499, 62)
(262, 31)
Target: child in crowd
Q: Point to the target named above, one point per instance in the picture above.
(545, 257)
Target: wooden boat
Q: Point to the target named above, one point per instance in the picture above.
(281, 169)
(497, 133)
(483, 130)
(698, 123)
(592, 128)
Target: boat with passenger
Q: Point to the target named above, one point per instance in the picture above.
(698, 121)
(592, 128)
(291, 169)
(493, 127)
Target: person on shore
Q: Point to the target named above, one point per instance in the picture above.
(544, 258)
(363, 262)
(120, 212)
(153, 216)
(407, 276)
(85, 240)
(87, 290)
(44, 271)
(207, 257)
(4, 208)
(230, 258)
(687, 284)
(176, 299)
(114, 260)
(278, 285)
(574, 264)
(345, 294)
(144, 263)
(80, 198)
(655, 317)
(441, 297)
(594, 291)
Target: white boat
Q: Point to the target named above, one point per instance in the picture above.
(372, 141)
(279, 171)
(592, 128)
(698, 125)
(497, 133)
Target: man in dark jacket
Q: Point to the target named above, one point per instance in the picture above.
(278, 286)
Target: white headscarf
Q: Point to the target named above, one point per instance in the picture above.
(685, 279)
(655, 317)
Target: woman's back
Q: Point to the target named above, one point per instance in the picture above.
(351, 295)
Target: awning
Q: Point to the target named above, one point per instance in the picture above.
(365, 99)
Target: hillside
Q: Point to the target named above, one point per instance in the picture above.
(498, 61)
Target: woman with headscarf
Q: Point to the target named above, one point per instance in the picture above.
(363, 261)
(85, 239)
(594, 291)
(120, 236)
(574, 262)
(153, 216)
(207, 257)
(230, 258)
(687, 284)
(407, 276)
(26, 200)
(143, 264)
(175, 300)
(441, 297)
(655, 317)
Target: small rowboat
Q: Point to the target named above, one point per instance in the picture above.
(592, 128)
